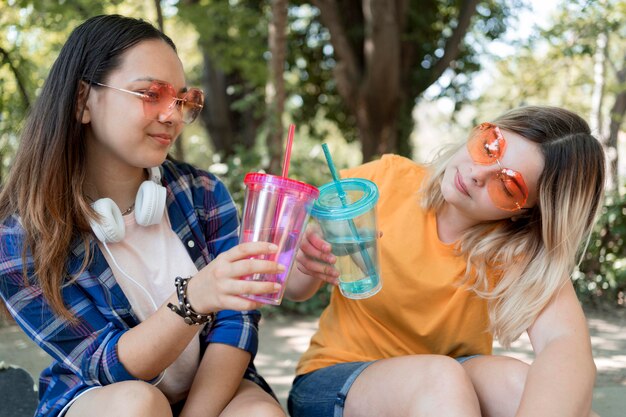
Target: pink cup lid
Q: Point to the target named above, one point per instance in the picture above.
(281, 183)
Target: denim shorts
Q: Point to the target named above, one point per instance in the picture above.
(322, 393)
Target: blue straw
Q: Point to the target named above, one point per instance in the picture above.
(344, 202)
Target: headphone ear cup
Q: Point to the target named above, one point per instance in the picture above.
(150, 203)
(110, 227)
(155, 175)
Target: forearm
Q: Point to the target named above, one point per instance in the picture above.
(560, 380)
(216, 287)
(164, 335)
(219, 375)
(301, 286)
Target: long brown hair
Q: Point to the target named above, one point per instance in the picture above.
(535, 254)
(45, 184)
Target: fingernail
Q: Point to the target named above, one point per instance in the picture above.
(273, 247)
(281, 267)
(277, 287)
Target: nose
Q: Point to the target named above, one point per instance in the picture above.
(480, 174)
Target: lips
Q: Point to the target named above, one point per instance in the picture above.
(460, 185)
(162, 138)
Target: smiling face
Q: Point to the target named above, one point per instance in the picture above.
(119, 136)
(465, 184)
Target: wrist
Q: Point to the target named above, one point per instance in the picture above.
(194, 290)
(183, 307)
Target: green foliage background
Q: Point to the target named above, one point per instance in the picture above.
(554, 66)
(600, 280)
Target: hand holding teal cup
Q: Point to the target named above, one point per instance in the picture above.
(346, 213)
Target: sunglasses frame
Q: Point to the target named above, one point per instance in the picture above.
(146, 99)
(503, 173)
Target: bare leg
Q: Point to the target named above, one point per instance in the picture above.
(416, 386)
(499, 382)
(122, 399)
(251, 400)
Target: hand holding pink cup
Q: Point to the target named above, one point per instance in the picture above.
(276, 210)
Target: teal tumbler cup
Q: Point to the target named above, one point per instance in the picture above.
(346, 213)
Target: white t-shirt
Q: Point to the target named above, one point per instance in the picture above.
(154, 256)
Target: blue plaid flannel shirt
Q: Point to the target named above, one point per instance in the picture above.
(202, 214)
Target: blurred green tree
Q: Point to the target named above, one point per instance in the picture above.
(362, 64)
(232, 38)
(366, 63)
(31, 34)
(596, 31)
(579, 63)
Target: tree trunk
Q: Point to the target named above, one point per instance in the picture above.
(617, 117)
(227, 127)
(159, 13)
(599, 80)
(275, 88)
(377, 136)
(453, 43)
(371, 90)
(374, 87)
(215, 113)
(21, 85)
(179, 150)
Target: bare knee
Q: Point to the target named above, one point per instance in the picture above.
(122, 399)
(447, 387)
(143, 399)
(499, 382)
(445, 374)
(251, 400)
(259, 409)
(269, 409)
(514, 373)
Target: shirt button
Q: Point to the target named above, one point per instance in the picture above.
(191, 244)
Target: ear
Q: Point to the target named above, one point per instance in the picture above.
(82, 107)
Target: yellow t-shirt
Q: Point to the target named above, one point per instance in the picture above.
(421, 308)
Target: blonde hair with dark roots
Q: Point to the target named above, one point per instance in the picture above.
(518, 266)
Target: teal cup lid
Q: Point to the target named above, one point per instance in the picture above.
(362, 196)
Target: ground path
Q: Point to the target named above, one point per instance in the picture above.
(283, 339)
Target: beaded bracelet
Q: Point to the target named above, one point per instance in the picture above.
(184, 308)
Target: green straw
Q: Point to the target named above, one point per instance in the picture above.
(344, 202)
(333, 173)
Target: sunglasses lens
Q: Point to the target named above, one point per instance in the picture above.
(486, 145)
(192, 104)
(161, 99)
(158, 98)
(508, 190)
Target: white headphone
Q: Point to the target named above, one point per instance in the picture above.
(149, 207)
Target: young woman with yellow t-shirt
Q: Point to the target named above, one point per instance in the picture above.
(479, 244)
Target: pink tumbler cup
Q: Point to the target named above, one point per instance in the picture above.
(276, 209)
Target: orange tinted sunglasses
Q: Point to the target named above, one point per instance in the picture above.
(506, 187)
(160, 98)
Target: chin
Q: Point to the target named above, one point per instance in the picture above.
(155, 158)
